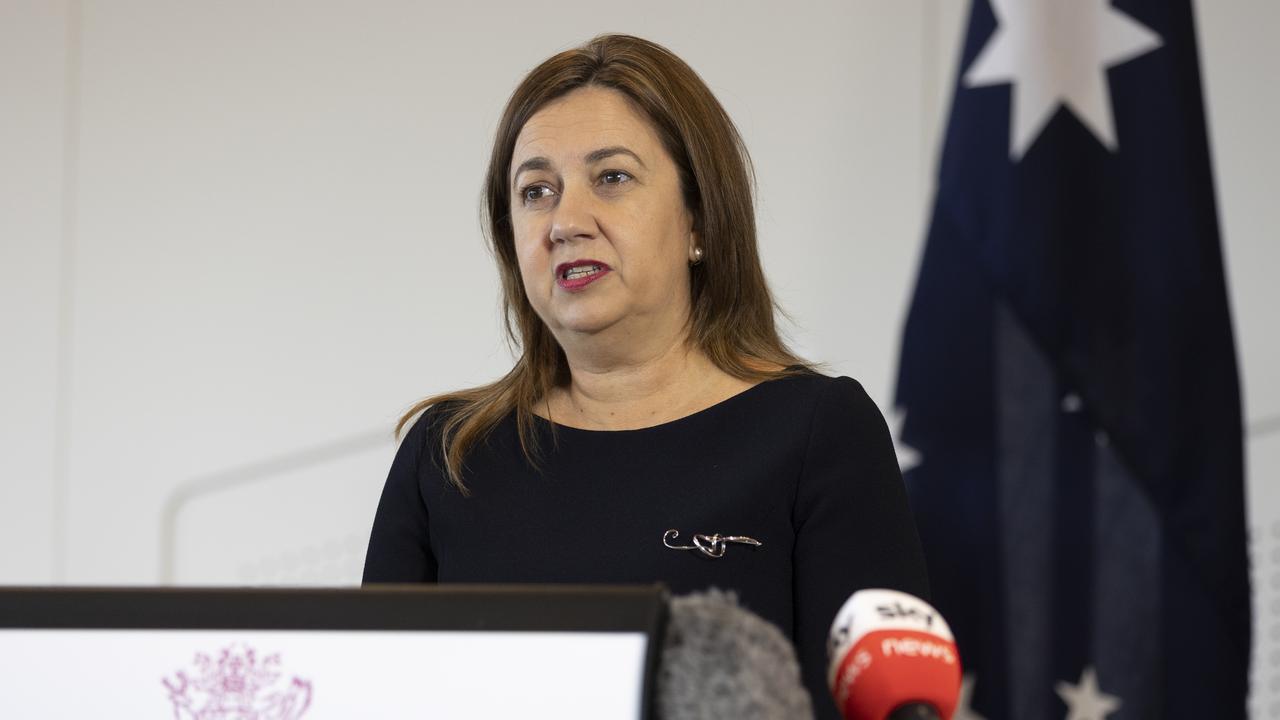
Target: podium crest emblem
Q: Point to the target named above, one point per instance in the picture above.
(237, 684)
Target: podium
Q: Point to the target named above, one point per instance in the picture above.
(425, 651)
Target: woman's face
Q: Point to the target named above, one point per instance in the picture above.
(593, 187)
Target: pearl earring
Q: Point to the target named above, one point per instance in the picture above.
(697, 256)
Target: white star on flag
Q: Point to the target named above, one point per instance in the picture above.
(1056, 52)
(1086, 701)
(908, 457)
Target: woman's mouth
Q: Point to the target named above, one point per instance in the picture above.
(580, 273)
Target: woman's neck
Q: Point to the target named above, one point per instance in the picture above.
(671, 383)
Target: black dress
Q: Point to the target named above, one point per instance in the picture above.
(804, 464)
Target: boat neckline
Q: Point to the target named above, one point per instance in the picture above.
(736, 397)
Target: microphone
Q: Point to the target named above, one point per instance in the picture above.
(892, 657)
(720, 660)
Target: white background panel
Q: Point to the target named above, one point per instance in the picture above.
(1238, 53)
(1239, 56)
(238, 239)
(295, 525)
(552, 676)
(33, 115)
(278, 219)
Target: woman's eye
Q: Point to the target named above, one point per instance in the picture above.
(614, 177)
(533, 193)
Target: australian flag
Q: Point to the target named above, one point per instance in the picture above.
(1071, 421)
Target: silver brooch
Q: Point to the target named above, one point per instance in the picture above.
(712, 546)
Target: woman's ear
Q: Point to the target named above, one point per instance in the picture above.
(695, 249)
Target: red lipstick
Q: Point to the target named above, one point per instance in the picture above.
(578, 274)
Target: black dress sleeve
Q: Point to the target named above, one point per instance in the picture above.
(854, 527)
(400, 543)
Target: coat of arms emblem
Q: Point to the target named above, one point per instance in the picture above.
(237, 684)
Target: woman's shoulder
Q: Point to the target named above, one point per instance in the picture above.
(818, 386)
(827, 401)
(424, 429)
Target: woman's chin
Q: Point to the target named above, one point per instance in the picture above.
(586, 325)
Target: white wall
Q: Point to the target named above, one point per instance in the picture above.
(34, 153)
(238, 238)
(1239, 57)
(261, 237)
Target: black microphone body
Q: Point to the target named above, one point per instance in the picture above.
(915, 711)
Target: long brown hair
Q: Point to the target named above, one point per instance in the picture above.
(732, 314)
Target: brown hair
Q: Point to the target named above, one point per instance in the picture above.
(732, 314)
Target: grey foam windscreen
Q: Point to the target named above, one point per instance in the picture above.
(720, 660)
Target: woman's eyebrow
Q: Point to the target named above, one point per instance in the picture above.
(533, 163)
(595, 156)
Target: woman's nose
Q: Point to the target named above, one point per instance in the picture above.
(574, 216)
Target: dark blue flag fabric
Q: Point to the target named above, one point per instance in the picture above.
(1071, 423)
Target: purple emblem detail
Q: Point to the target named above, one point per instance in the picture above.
(238, 685)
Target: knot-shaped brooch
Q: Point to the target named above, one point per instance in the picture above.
(713, 546)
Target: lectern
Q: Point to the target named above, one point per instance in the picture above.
(448, 651)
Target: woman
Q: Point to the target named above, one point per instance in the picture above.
(653, 407)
